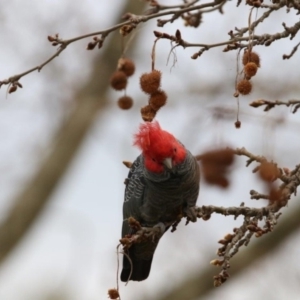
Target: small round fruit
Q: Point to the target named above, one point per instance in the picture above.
(158, 99)
(127, 66)
(250, 69)
(148, 113)
(125, 102)
(244, 87)
(150, 82)
(118, 81)
(250, 56)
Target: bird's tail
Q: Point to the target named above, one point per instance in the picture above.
(137, 261)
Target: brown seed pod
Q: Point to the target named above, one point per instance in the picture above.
(158, 99)
(127, 66)
(118, 80)
(237, 124)
(150, 82)
(250, 69)
(148, 113)
(215, 166)
(244, 87)
(268, 171)
(250, 56)
(113, 294)
(125, 102)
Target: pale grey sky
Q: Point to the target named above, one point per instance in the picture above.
(72, 247)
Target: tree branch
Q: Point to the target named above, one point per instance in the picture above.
(199, 283)
(271, 104)
(257, 221)
(132, 20)
(89, 102)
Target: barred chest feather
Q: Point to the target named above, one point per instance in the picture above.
(167, 194)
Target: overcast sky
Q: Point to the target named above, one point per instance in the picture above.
(71, 249)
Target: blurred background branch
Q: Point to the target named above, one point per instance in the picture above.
(88, 103)
(69, 253)
(199, 285)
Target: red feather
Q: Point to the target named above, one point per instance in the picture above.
(158, 144)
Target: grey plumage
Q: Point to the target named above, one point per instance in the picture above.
(151, 198)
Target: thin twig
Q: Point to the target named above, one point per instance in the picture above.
(132, 20)
(271, 104)
(288, 56)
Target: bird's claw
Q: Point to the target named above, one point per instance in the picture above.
(161, 226)
(153, 232)
(191, 213)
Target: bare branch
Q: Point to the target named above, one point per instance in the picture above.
(241, 236)
(271, 104)
(285, 56)
(29, 204)
(132, 22)
(176, 11)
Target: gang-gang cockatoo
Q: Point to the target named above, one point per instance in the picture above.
(163, 183)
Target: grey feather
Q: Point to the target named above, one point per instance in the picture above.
(151, 198)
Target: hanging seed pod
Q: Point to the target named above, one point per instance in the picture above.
(127, 66)
(148, 113)
(250, 56)
(158, 99)
(244, 87)
(250, 69)
(125, 102)
(150, 82)
(118, 80)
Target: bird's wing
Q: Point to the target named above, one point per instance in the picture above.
(137, 262)
(134, 193)
(195, 179)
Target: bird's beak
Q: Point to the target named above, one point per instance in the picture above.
(168, 162)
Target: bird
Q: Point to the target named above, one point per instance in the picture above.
(162, 184)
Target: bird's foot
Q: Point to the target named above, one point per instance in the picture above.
(155, 232)
(191, 213)
(161, 226)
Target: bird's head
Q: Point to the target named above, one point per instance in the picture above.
(160, 148)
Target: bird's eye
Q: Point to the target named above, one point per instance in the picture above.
(153, 159)
(175, 150)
